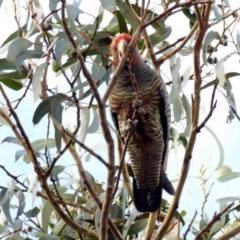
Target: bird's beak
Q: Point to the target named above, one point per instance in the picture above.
(122, 47)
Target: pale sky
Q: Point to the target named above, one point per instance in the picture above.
(206, 151)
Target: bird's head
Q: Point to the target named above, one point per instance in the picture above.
(119, 46)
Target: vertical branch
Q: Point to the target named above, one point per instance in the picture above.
(24, 141)
(194, 125)
(106, 132)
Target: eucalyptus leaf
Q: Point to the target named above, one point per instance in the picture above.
(36, 81)
(45, 107)
(216, 12)
(17, 46)
(221, 151)
(137, 227)
(6, 211)
(85, 119)
(129, 221)
(48, 236)
(219, 69)
(210, 36)
(94, 126)
(188, 111)
(62, 46)
(19, 154)
(127, 14)
(109, 5)
(56, 111)
(21, 203)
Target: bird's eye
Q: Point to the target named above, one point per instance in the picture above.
(114, 49)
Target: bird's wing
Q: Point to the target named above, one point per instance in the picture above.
(165, 118)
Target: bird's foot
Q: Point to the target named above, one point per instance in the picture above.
(137, 105)
(131, 124)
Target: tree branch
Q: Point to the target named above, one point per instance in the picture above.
(230, 233)
(105, 128)
(215, 218)
(194, 125)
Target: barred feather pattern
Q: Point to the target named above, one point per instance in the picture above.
(149, 140)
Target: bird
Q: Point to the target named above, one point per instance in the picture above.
(148, 142)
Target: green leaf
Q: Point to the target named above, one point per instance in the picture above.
(129, 221)
(71, 62)
(202, 224)
(85, 119)
(190, 15)
(59, 227)
(23, 55)
(7, 193)
(187, 109)
(94, 126)
(138, 227)
(36, 81)
(216, 12)
(160, 36)
(62, 46)
(109, 5)
(98, 72)
(39, 145)
(45, 107)
(121, 22)
(13, 75)
(16, 47)
(56, 110)
(33, 213)
(53, 7)
(220, 74)
(19, 154)
(127, 14)
(46, 213)
(6, 65)
(93, 51)
(10, 140)
(13, 84)
(14, 35)
(232, 74)
(228, 199)
(210, 36)
(213, 82)
(221, 151)
(73, 13)
(6, 211)
(21, 203)
(229, 176)
(48, 236)
(217, 226)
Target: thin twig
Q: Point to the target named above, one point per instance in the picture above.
(71, 136)
(42, 195)
(189, 226)
(234, 111)
(207, 117)
(177, 5)
(194, 125)
(215, 218)
(105, 128)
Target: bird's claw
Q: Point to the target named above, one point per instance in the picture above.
(131, 123)
(137, 105)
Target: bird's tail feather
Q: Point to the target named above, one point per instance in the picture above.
(147, 200)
